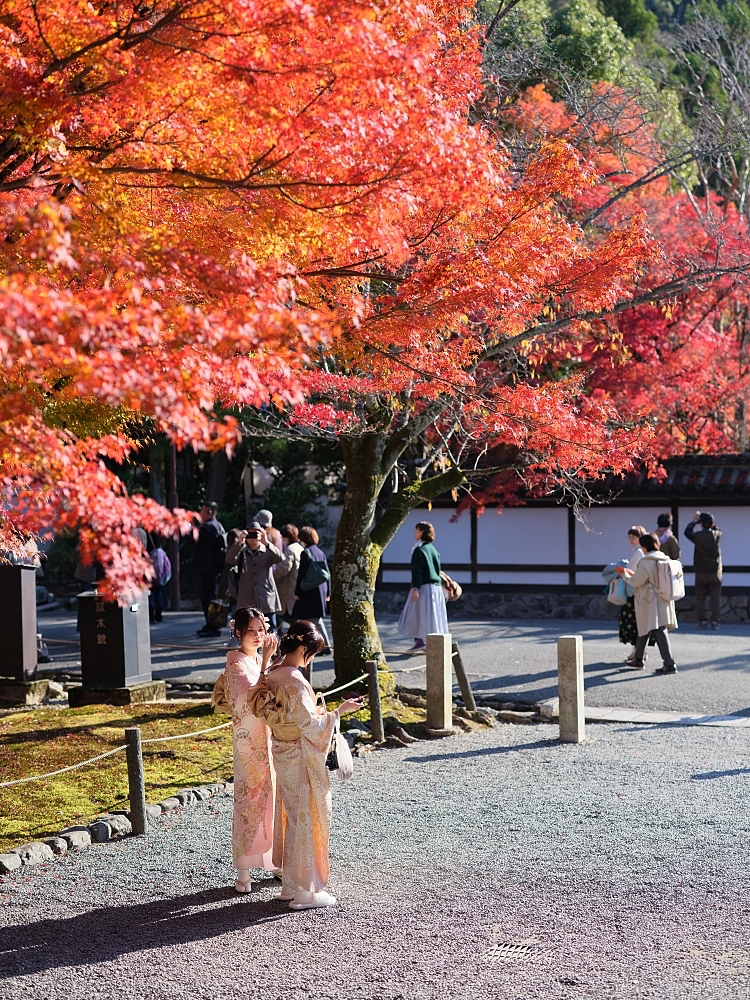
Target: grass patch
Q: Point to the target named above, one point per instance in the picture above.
(43, 740)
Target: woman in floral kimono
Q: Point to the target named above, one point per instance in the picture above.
(301, 736)
(252, 826)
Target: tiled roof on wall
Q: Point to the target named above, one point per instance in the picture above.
(722, 475)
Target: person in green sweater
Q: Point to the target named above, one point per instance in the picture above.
(424, 611)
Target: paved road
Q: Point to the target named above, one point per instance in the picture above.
(516, 660)
(616, 870)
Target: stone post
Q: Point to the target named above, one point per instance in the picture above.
(570, 688)
(439, 685)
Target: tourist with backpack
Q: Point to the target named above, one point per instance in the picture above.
(313, 583)
(653, 588)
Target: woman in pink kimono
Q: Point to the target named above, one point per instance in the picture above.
(252, 826)
(301, 736)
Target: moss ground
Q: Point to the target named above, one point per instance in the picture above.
(43, 740)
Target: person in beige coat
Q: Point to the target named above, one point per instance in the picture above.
(653, 615)
(285, 572)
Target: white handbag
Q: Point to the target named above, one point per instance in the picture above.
(339, 757)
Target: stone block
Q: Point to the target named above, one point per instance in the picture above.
(101, 832)
(76, 836)
(119, 825)
(23, 692)
(519, 718)
(550, 708)
(153, 812)
(739, 601)
(9, 863)
(59, 845)
(186, 797)
(217, 787)
(137, 694)
(201, 793)
(170, 804)
(35, 853)
(55, 690)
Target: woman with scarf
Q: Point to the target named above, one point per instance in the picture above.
(668, 544)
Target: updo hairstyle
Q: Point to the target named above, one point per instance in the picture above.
(428, 532)
(289, 531)
(242, 619)
(301, 633)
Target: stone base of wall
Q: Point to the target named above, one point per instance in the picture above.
(488, 604)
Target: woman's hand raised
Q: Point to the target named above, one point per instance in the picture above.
(270, 645)
(351, 705)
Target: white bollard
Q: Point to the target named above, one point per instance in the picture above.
(570, 688)
(439, 685)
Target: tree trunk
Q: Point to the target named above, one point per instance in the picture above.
(217, 477)
(356, 560)
(360, 544)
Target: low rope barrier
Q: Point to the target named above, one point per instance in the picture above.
(344, 686)
(71, 767)
(101, 756)
(186, 736)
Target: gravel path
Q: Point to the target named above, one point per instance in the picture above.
(619, 868)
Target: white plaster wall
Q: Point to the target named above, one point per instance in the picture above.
(523, 535)
(453, 541)
(603, 536)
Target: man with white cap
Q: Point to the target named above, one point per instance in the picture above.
(265, 520)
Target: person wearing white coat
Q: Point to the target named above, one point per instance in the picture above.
(654, 616)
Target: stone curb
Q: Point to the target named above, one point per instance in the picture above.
(105, 828)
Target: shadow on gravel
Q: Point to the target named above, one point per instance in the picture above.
(488, 751)
(709, 775)
(107, 933)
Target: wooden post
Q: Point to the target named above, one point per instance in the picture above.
(136, 783)
(376, 711)
(439, 685)
(570, 688)
(463, 681)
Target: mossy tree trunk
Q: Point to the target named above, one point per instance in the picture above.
(360, 542)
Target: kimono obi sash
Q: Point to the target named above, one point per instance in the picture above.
(272, 707)
(287, 733)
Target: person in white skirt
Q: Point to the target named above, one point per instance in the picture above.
(424, 611)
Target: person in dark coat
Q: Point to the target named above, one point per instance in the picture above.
(707, 566)
(311, 605)
(208, 560)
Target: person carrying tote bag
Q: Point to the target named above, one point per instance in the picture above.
(424, 612)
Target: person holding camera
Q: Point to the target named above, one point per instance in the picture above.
(251, 559)
(707, 566)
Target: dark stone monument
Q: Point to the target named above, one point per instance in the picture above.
(115, 653)
(18, 630)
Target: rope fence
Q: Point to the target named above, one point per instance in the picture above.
(101, 756)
